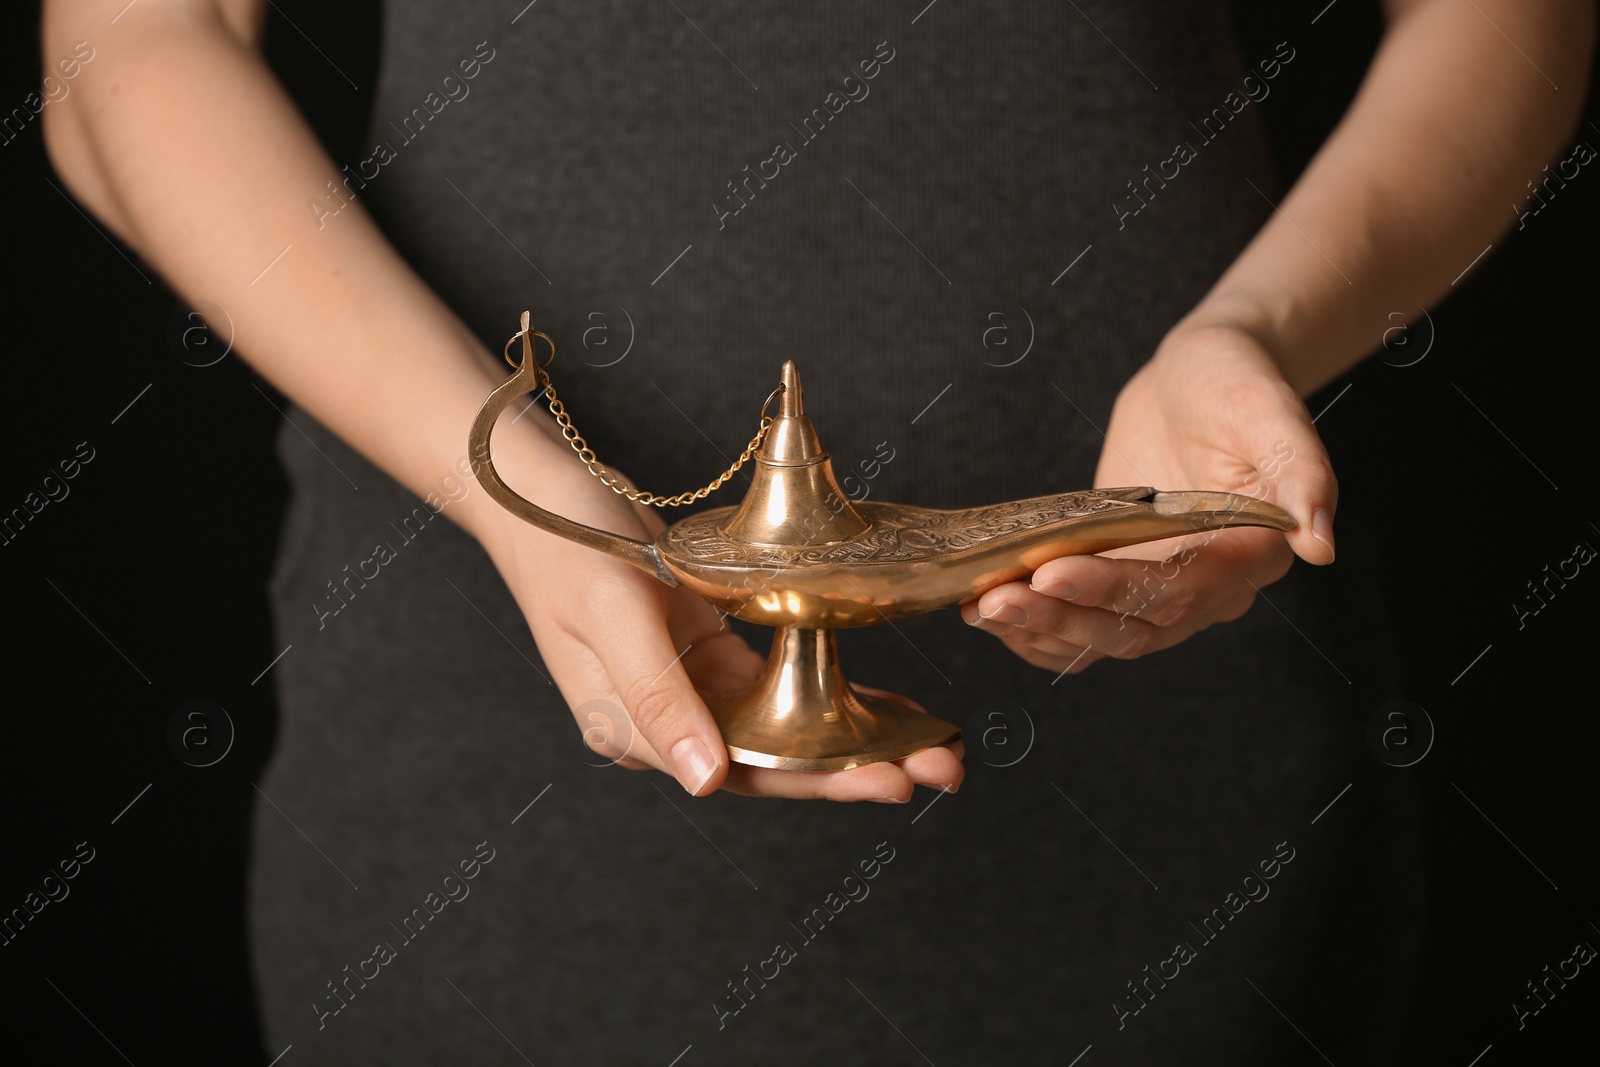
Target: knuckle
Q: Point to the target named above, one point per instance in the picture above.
(609, 596)
(1037, 653)
(1066, 627)
(1322, 469)
(1043, 660)
(611, 746)
(605, 728)
(1175, 604)
(1021, 642)
(652, 705)
(901, 791)
(593, 611)
(1078, 662)
(1136, 641)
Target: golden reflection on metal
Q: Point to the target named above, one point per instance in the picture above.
(798, 554)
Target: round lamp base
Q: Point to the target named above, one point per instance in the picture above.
(801, 714)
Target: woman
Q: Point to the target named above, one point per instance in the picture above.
(439, 875)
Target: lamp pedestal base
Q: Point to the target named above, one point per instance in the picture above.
(801, 714)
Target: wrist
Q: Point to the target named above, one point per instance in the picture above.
(1208, 365)
(1230, 314)
(1311, 340)
(531, 465)
(549, 475)
(1242, 324)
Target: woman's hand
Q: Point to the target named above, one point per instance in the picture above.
(1210, 411)
(633, 658)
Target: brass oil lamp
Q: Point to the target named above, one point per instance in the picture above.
(799, 555)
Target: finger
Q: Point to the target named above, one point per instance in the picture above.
(1130, 608)
(1212, 575)
(1038, 650)
(1038, 653)
(719, 660)
(608, 731)
(885, 783)
(722, 663)
(1051, 653)
(1017, 613)
(882, 782)
(1308, 490)
(937, 768)
(648, 677)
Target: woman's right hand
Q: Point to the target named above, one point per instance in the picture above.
(634, 658)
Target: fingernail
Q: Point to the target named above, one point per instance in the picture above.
(887, 800)
(1322, 529)
(1009, 615)
(1059, 588)
(693, 763)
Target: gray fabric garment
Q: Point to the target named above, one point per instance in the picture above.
(579, 176)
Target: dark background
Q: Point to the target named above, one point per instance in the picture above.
(142, 590)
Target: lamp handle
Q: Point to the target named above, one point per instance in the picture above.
(526, 380)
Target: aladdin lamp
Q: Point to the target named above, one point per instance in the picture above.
(798, 555)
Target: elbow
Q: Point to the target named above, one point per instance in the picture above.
(91, 108)
(62, 64)
(67, 139)
(66, 145)
(69, 146)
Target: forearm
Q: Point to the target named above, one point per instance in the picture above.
(182, 141)
(1450, 124)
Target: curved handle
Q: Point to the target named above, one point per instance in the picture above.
(526, 380)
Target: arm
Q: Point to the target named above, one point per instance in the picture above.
(1450, 123)
(1455, 116)
(181, 140)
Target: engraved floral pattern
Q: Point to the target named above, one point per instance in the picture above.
(900, 533)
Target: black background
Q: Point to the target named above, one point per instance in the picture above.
(142, 589)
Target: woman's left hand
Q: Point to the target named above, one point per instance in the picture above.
(1210, 411)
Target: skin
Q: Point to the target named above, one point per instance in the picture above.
(1450, 123)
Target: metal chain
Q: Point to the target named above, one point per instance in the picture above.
(610, 478)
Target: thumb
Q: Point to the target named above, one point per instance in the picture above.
(649, 677)
(1308, 490)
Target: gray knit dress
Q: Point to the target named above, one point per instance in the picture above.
(969, 224)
